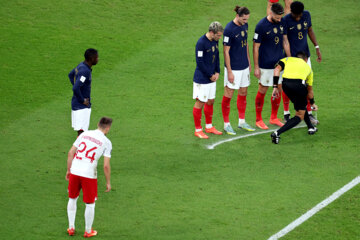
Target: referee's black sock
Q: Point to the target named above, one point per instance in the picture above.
(307, 120)
(289, 124)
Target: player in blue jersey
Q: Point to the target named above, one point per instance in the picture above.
(80, 78)
(206, 74)
(299, 26)
(270, 42)
(237, 67)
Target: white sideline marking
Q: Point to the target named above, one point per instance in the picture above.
(212, 146)
(315, 209)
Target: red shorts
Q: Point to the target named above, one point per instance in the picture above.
(273, 1)
(88, 186)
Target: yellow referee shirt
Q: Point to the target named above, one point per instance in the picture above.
(297, 68)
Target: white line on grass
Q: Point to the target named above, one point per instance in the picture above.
(212, 146)
(315, 209)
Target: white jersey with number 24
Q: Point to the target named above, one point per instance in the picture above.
(91, 145)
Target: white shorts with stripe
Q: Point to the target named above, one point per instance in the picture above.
(241, 79)
(204, 92)
(80, 119)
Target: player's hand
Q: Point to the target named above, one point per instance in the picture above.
(217, 76)
(275, 93)
(230, 77)
(67, 176)
(257, 73)
(86, 101)
(314, 107)
(108, 187)
(318, 53)
(213, 78)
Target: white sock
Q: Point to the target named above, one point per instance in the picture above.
(241, 121)
(89, 216)
(286, 112)
(208, 126)
(226, 124)
(71, 210)
(198, 130)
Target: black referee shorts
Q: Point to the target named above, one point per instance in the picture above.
(296, 91)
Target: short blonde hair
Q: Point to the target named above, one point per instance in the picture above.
(216, 27)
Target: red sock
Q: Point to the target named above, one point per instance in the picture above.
(197, 117)
(241, 106)
(286, 101)
(308, 106)
(275, 103)
(208, 111)
(259, 103)
(225, 106)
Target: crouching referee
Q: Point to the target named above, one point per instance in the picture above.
(297, 84)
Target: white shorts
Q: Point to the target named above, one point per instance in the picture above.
(241, 79)
(204, 92)
(80, 119)
(266, 78)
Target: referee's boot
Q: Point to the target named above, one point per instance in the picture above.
(312, 131)
(275, 137)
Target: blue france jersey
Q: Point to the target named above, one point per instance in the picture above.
(236, 38)
(207, 60)
(270, 37)
(297, 33)
(80, 78)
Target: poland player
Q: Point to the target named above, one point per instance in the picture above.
(82, 172)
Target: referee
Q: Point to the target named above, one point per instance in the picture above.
(297, 84)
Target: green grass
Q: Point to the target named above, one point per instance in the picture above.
(166, 184)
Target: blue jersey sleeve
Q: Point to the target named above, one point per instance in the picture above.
(309, 18)
(200, 53)
(258, 34)
(81, 77)
(227, 37)
(217, 63)
(72, 76)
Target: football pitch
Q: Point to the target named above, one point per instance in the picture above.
(167, 184)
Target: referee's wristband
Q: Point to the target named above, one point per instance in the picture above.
(312, 101)
(275, 80)
(317, 46)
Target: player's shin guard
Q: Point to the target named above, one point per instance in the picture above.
(259, 103)
(208, 111)
(275, 103)
(286, 101)
(241, 106)
(89, 216)
(71, 210)
(289, 124)
(197, 117)
(307, 120)
(225, 107)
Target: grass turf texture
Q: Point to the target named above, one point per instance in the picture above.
(166, 184)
